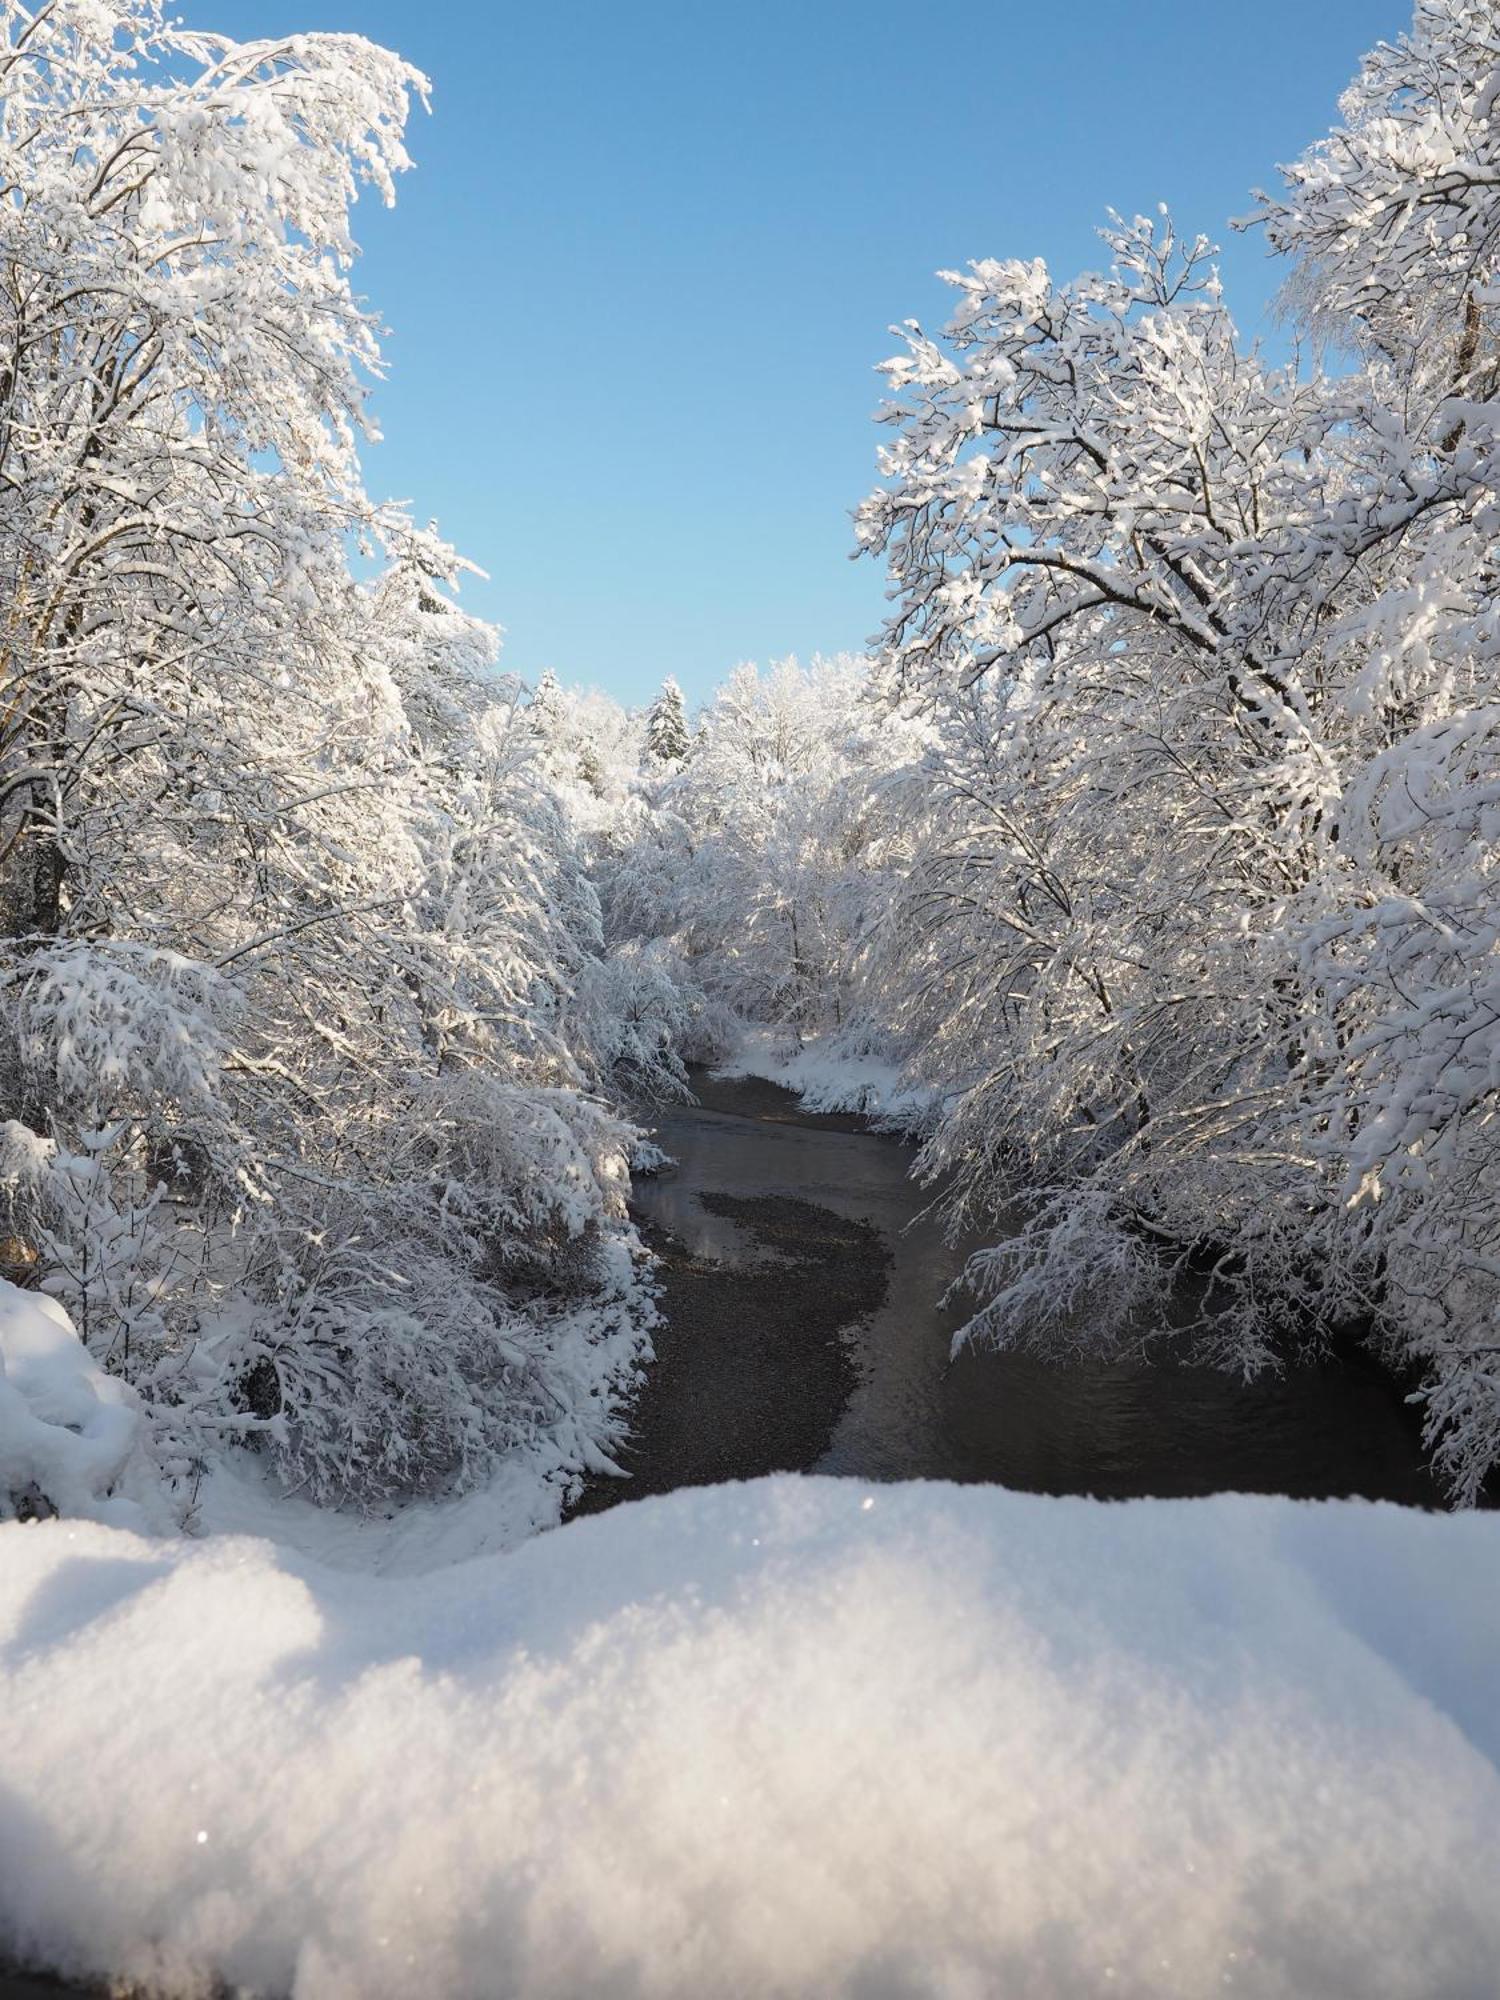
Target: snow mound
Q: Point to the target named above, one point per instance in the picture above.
(786, 1738)
(67, 1430)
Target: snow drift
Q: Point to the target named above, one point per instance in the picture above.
(68, 1431)
(793, 1737)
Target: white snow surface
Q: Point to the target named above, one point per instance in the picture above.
(829, 1074)
(238, 1496)
(793, 1737)
(67, 1429)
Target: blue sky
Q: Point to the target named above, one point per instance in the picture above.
(640, 279)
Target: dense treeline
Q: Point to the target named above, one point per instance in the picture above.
(1211, 648)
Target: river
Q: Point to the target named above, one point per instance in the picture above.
(802, 1332)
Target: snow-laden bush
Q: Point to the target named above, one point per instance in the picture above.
(637, 1014)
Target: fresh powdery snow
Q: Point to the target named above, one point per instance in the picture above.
(794, 1737)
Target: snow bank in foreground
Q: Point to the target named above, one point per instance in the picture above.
(786, 1738)
(67, 1430)
(829, 1076)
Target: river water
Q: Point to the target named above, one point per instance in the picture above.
(750, 1308)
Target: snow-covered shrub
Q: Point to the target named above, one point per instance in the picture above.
(636, 1015)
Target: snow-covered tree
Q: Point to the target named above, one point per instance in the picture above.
(757, 858)
(544, 709)
(1393, 226)
(292, 918)
(1201, 938)
(667, 740)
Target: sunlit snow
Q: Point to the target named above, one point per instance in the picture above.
(794, 1737)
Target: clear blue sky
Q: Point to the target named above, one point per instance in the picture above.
(642, 274)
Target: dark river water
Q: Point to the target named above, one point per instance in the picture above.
(762, 1367)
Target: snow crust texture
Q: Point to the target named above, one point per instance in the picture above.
(786, 1738)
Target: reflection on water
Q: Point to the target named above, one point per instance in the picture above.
(1117, 1430)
